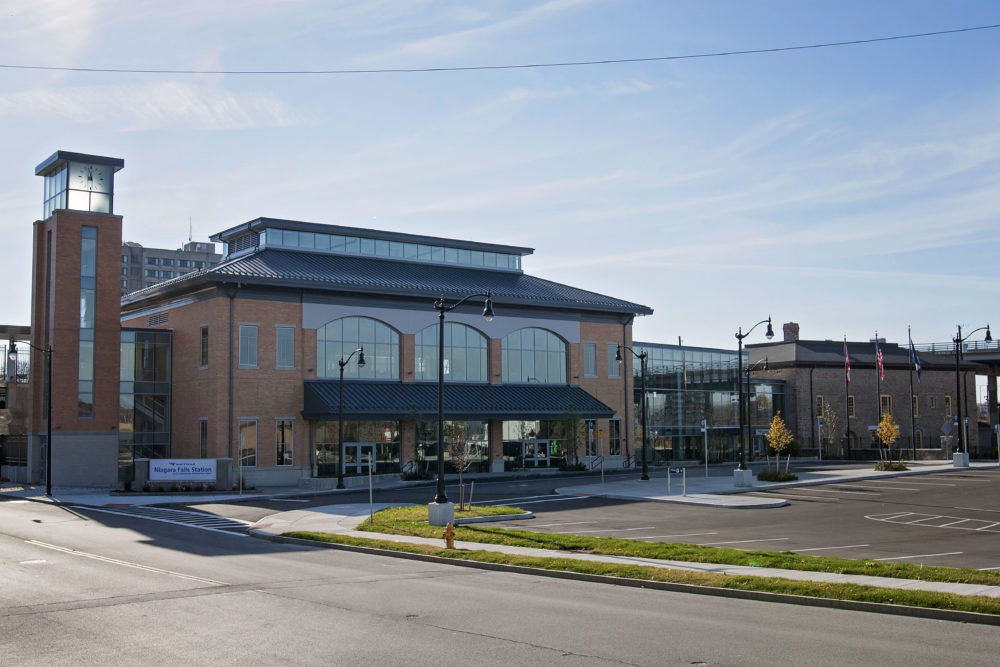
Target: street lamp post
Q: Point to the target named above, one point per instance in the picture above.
(12, 356)
(641, 356)
(340, 413)
(769, 334)
(440, 306)
(958, 340)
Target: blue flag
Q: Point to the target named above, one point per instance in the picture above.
(916, 360)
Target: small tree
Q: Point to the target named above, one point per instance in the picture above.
(887, 433)
(830, 424)
(461, 456)
(574, 433)
(779, 438)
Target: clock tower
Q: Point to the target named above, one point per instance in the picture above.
(76, 313)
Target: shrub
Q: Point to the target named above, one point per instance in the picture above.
(573, 467)
(894, 466)
(774, 476)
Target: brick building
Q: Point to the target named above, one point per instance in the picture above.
(815, 379)
(257, 340)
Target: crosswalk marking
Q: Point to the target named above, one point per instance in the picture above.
(200, 520)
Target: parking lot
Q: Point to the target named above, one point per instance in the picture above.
(950, 519)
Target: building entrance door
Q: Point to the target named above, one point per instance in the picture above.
(535, 453)
(358, 456)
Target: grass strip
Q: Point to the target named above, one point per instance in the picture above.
(412, 520)
(826, 590)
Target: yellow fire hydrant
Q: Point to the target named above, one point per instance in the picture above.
(449, 535)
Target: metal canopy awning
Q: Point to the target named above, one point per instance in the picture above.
(418, 400)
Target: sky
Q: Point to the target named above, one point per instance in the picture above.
(851, 189)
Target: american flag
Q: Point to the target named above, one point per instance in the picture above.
(881, 368)
(847, 362)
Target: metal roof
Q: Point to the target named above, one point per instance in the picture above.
(59, 158)
(418, 400)
(372, 275)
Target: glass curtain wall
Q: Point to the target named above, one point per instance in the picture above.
(382, 435)
(686, 385)
(144, 398)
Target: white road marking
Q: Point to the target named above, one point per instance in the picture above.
(856, 493)
(198, 520)
(988, 526)
(956, 522)
(896, 488)
(861, 486)
(568, 523)
(289, 500)
(790, 494)
(37, 561)
(533, 502)
(846, 546)
(507, 500)
(771, 539)
(115, 561)
(657, 537)
(949, 553)
(912, 481)
(976, 509)
(945, 525)
(614, 530)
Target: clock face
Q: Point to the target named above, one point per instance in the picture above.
(90, 177)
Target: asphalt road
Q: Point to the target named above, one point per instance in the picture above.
(88, 588)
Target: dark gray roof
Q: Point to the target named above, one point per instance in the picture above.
(418, 400)
(831, 353)
(361, 275)
(59, 158)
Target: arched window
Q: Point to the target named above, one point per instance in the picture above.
(465, 354)
(337, 339)
(534, 355)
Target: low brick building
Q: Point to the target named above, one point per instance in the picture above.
(816, 383)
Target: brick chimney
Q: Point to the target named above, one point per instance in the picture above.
(791, 332)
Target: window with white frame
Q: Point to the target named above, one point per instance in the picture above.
(284, 347)
(589, 360)
(248, 345)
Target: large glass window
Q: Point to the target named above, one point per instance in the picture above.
(337, 339)
(248, 345)
(248, 443)
(285, 347)
(590, 360)
(283, 440)
(614, 367)
(534, 355)
(88, 299)
(465, 354)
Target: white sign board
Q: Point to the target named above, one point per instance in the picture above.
(187, 470)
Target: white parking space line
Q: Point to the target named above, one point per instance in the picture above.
(856, 493)
(913, 481)
(615, 530)
(534, 502)
(289, 500)
(976, 509)
(928, 517)
(878, 481)
(661, 537)
(789, 494)
(771, 539)
(949, 553)
(846, 546)
(507, 500)
(988, 526)
(953, 523)
(568, 523)
(872, 488)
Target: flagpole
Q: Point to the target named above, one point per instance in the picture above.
(847, 401)
(913, 425)
(878, 388)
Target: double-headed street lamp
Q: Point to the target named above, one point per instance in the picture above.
(440, 306)
(958, 340)
(12, 356)
(769, 334)
(641, 356)
(340, 412)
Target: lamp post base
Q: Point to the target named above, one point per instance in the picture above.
(440, 514)
(743, 478)
(960, 459)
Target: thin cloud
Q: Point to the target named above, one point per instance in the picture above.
(151, 106)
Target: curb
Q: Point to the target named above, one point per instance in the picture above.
(761, 596)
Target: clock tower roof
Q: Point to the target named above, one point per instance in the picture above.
(60, 158)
